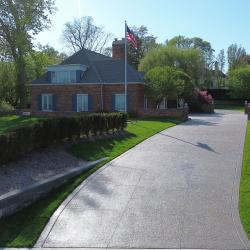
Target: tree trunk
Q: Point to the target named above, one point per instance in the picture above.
(21, 82)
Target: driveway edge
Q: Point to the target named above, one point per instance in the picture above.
(235, 195)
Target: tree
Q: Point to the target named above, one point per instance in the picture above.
(219, 69)
(221, 60)
(107, 51)
(19, 22)
(55, 57)
(236, 56)
(238, 82)
(207, 52)
(7, 83)
(146, 43)
(189, 61)
(83, 33)
(37, 61)
(182, 42)
(165, 82)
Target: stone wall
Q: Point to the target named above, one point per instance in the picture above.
(247, 109)
(181, 113)
(207, 108)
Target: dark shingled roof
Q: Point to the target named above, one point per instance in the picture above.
(100, 69)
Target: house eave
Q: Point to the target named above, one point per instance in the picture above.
(75, 84)
(60, 67)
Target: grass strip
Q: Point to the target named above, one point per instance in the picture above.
(244, 202)
(11, 122)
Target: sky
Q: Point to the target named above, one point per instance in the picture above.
(220, 22)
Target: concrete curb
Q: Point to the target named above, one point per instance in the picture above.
(87, 248)
(15, 200)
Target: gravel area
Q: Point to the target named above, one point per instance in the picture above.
(36, 166)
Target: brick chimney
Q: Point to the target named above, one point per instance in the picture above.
(118, 49)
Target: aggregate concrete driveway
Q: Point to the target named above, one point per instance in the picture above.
(178, 189)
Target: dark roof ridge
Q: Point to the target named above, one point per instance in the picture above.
(97, 53)
(93, 65)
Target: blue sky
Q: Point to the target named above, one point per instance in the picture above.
(221, 22)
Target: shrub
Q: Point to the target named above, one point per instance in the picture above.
(5, 107)
(204, 97)
(48, 131)
(198, 99)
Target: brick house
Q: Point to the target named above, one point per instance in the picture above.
(88, 82)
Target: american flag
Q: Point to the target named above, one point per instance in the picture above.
(131, 38)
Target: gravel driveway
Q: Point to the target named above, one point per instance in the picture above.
(178, 189)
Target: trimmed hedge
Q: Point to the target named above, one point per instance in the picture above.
(46, 132)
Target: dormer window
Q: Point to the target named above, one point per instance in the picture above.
(67, 73)
(63, 76)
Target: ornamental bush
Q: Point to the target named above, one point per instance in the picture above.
(201, 101)
(53, 130)
(204, 97)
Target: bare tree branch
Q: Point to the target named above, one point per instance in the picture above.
(83, 33)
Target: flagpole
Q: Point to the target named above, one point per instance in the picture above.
(125, 69)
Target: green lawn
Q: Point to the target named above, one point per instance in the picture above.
(23, 228)
(244, 203)
(10, 122)
(230, 107)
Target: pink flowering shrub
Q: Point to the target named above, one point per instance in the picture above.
(201, 101)
(205, 97)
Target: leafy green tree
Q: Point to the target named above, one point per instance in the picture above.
(146, 43)
(238, 82)
(205, 47)
(236, 56)
(19, 21)
(182, 42)
(37, 61)
(7, 83)
(189, 61)
(55, 57)
(165, 82)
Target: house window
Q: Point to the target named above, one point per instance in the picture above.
(63, 76)
(72, 74)
(145, 102)
(163, 104)
(82, 102)
(120, 102)
(47, 104)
